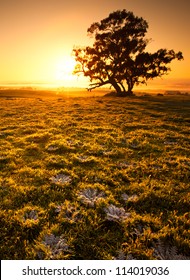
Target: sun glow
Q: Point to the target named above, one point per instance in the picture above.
(64, 71)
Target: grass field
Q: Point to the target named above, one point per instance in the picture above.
(94, 177)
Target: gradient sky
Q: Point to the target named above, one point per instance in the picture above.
(37, 36)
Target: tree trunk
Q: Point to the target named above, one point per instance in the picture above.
(124, 90)
(130, 85)
(116, 86)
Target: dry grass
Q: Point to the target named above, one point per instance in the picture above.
(94, 177)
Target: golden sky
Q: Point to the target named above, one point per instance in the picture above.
(37, 36)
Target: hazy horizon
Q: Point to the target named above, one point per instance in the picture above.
(153, 86)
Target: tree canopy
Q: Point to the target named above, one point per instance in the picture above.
(118, 57)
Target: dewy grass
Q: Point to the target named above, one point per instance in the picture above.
(95, 178)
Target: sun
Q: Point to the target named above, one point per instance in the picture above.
(64, 71)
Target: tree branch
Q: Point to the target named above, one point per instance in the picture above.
(95, 85)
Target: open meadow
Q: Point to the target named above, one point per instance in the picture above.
(95, 177)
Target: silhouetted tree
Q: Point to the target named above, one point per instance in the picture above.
(118, 55)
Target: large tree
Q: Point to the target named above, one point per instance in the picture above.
(118, 57)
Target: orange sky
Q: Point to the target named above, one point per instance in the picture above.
(37, 36)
